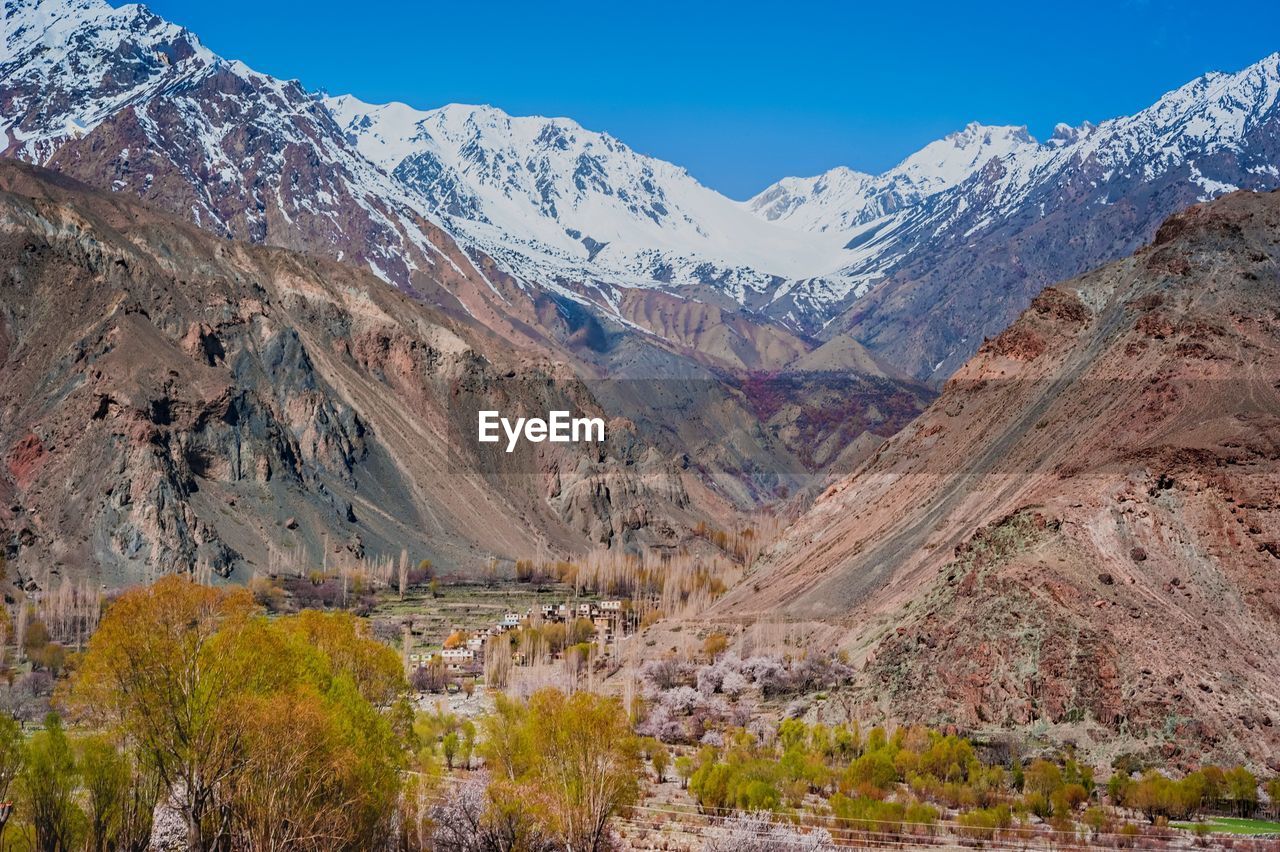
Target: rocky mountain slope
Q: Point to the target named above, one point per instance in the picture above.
(1082, 534)
(172, 399)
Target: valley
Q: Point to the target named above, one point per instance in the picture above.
(375, 477)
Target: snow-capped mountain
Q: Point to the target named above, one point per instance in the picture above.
(489, 214)
(549, 197)
(842, 199)
(552, 200)
(124, 100)
(1213, 113)
(935, 276)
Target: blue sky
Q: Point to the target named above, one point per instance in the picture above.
(744, 93)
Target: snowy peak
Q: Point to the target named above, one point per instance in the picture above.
(549, 163)
(949, 161)
(814, 203)
(1205, 115)
(68, 66)
(553, 198)
(843, 200)
(1213, 109)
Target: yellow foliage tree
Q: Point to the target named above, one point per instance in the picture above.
(572, 761)
(246, 720)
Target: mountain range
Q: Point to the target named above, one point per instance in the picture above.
(499, 218)
(1031, 384)
(172, 399)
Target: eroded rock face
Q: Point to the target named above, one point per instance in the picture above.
(1079, 535)
(172, 399)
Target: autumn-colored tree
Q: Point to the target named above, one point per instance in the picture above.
(270, 733)
(311, 777)
(714, 645)
(35, 634)
(1043, 777)
(574, 760)
(157, 669)
(581, 631)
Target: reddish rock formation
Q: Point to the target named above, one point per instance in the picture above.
(1080, 533)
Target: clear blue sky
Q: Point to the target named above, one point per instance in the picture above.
(744, 93)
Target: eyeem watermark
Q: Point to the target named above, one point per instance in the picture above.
(558, 428)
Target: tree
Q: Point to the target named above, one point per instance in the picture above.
(1242, 790)
(470, 819)
(660, 758)
(156, 668)
(349, 647)
(715, 645)
(49, 786)
(105, 776)
(572, 759)
(121, 794)
(317, 771)
(270, 733)
(468, 743)
(137, 810)
(1273, 795)
(684, 769)
(13, 756)
(449, 745)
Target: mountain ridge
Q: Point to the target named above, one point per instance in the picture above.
(478, 211)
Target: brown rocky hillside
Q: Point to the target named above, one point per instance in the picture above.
(1082, 534)
(169, 398)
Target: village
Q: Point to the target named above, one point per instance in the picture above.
(543, 633)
